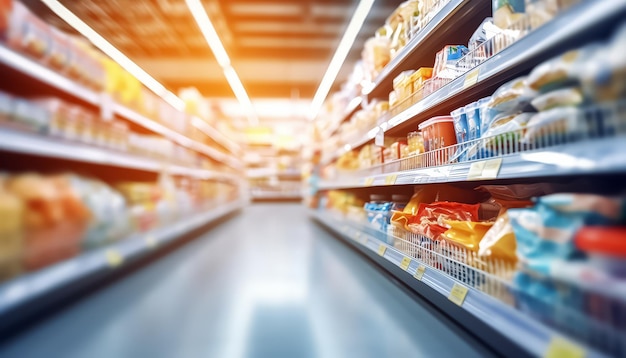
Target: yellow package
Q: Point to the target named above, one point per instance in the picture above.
(466, 234)
(499, 241)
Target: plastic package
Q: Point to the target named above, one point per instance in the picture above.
(605, 247)
(430, 218)
(502, 136)
(472, 113)
(507, 12)
(561, 71)
(376, 55)
(479, 36)
(603, 76)
(460, 124)
(565, 97)
(466, 234)
(499, 240)
(512, 96)
(378, 211)
(555, 125)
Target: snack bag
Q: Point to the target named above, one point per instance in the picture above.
(466, 234)
(430, 218)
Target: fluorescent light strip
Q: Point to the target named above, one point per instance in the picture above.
(208, 31)
(340, 55)
(114, 53)
(240, 93)
(213, 39)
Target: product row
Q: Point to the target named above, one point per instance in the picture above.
(59, 119)
(76, 58)
(574, 96)
(553, 251)
(511, 21)
(50, 218)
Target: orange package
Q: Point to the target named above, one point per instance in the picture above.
(430, 219)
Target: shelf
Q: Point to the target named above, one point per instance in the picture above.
(604, 156)
(464, 16)
(33, 144)
(13, 61)
(26, 289)
(354, 105)
(554, 37)
(529, 336)
(362, 139)
(269, 195)
(269, 172)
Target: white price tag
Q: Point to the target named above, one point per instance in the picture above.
(106, 107)
(379, 140)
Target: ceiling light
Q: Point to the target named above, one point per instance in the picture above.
(212, 38)
(340, 55)
(208, 31)
(115, 54)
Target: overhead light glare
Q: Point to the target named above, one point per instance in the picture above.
(340, 55)
(214, 42)
(116, 55)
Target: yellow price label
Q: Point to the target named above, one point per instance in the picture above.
(419, 273)
(471, 78)
(562, 348)
(391, 179)
(476, 170)
(458, 293)
(369, 181)
(491, 169)
(405, 263)
(151, 242)
(114, 258)
(381, 249)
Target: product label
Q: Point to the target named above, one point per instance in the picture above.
(458, 293)
(471, 78)
(491, 169)
(419, 273)
(381, 249)
(476, 170)
(114, 258)
(151, 242)
(405, 263)
(369, 181)
(391, 179)
(562, 348)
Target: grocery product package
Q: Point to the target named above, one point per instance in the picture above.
(27, 33)
(603, 76)
(499, 240)
(541, 11)
(11, 232)
(430, 194)
(446, 60)
(55, 221)
(466, 234)
(512, 97)
(507, 12)
(556, 126)
(562, 71)
(6, 107)
(6, 6)
(545, 233)
(502, 137)
(564, 97)
(430, 218)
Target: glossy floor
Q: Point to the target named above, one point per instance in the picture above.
(270, 282)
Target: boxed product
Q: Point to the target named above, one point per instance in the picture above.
(402, 85)
(446, 60)
(507, 12)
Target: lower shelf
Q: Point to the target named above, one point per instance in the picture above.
(511, 330)
(18, 293)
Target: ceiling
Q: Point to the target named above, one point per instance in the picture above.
(280, 48)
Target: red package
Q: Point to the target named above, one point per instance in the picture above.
(429, 220)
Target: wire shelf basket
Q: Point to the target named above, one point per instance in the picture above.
(604, 328)
(566, 126)
(420, 21)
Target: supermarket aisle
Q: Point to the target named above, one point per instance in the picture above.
(268, 283)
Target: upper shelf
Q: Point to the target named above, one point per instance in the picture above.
(604, 156)
(594, 20)
(33, 144)
(11, 61)
(355, 104)
(464, 16)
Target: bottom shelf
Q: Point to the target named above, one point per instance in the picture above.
(507, 330)
(19, 292)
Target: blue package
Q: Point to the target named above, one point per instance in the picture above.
(472, 112)
(460, 128)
